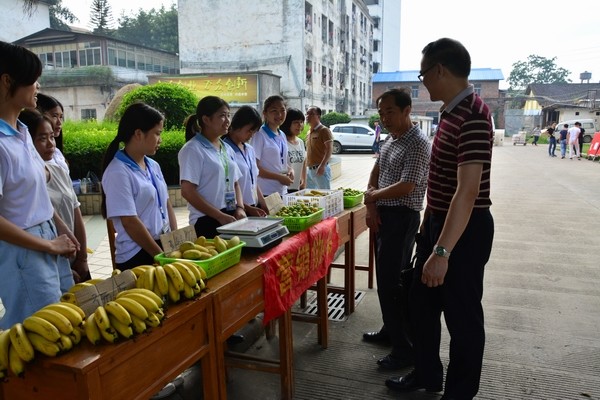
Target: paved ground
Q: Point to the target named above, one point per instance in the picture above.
(541, 299)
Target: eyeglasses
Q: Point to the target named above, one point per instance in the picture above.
(421, 74)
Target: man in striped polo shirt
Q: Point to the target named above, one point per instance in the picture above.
(457, 231)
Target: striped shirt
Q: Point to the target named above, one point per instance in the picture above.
(405, 159)
(464, 136)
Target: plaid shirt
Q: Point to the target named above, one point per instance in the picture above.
(405, 159)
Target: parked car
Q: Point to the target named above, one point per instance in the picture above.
(353, 137)
(586, 123)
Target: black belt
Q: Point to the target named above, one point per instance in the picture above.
(313, 166)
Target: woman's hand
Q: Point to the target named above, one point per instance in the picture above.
(225, 219)
(255, 212)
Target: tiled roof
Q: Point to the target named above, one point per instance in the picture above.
(562, 92)
(477, 74)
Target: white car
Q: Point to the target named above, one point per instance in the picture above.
(353, 137)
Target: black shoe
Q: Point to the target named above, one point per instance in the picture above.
(376, 337)
(409, 383)
(393, 363)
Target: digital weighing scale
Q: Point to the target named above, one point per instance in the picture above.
(257, 232)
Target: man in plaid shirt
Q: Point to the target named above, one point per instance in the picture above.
(394, 199)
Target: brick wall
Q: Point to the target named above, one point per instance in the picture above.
(90, 202)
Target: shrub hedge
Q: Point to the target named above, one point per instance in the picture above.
(86, 142)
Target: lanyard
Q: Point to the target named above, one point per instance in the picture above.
(126, 158)
(280, 145)
(246, 160)
(222, 155)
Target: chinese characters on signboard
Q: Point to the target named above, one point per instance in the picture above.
(233, 88)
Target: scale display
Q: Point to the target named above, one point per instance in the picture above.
(255, 231)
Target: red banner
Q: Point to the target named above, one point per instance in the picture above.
(594, 146)
(296, 264)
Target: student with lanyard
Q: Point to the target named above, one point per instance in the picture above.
(30, 240)
(244, 125)
(275, 175)
(135, 195)
(208, 172)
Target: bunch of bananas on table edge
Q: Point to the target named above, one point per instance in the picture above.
(52, 330)
(176, 281)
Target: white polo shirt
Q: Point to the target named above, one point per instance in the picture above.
(63, 197)
(130, 191)
(24, 200)
(272, 153)
(246, 162)
(203, 165)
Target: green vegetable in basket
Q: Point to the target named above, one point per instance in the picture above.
(297, 210)
(350, 192)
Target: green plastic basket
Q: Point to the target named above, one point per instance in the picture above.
(352, 201)
(213, 265)
(297, 224)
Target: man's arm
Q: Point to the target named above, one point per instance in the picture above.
(328, 150)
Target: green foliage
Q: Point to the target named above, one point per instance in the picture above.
(61, 16)
(536, 69)
(101, 17)
(157, 29)
(174, 101)
(86, 142)
(333, 118)
(96, 75)
(372, 119)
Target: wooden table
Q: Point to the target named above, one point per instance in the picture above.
(237, 297)
(132, 369)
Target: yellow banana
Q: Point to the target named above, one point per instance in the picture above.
(199, 273)
(175, 276)
(139, 326)
(149, 278)
(76, 308)
(110, 335)
(125, 331)
(145, 292)
(187, 275)
(16, 364)
(75, 336)
(147, 302)
(4, 346)
(119, 312)
(70, 313)
(188, 292)
(78, 286)
(101, 318)
(174, 294)
(21, 343)
(152, 320)
(139, 270)
(197, 289)
(134, 308)
(92, 332)
(42, 327)
(202, 284)
(160, 278)
(65, 343)
(160, 314)
(68, 298)
(94, 281)
(43, 345)
(61, 322)
(115, 272)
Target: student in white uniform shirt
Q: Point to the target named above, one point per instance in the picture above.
(270, 144)
(29, 239)
(60, 187)
(135, 195)
(292, 127)
(208, 172)
(244, 125)
(53, 109)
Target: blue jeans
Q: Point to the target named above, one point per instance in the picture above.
(563, 147)
(31, 279)
(318, 182)
(552, 146)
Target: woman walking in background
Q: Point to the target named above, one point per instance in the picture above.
(135, 195)
(292, 127)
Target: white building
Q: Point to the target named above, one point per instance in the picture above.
(386, 34)
(16, 22)
(321, 49)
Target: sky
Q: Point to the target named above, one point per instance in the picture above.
(496, 33)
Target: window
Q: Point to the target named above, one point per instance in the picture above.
(376, 22)
(324, 76)
(375, 67)
(331, 32)
(308, 71)
(477, 88)
(308, 17)
(88, 113)
(375, 45)
(414, 91)
(324, 28)
(330, 77)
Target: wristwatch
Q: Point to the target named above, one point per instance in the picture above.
(441, 251)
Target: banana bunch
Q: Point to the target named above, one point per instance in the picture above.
(132, 312)
(178, 280)
(203, 249)
(52, 330)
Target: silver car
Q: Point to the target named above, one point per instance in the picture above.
(352, 137)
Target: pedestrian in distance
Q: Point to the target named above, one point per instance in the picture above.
(208, 173)
(394, 199)
(60, 188)
(244, 124)
(573, 141)
(292, 127)
(536, 132)
(135, 196)
(456, 233)
(270, 144)
(319, 146)
(581, 139)
(563, 140)
(32, 236)
(551, 132)
(377, 139)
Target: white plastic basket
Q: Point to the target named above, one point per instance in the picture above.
(332, 202)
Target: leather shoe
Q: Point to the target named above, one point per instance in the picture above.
(393, 363)
(410, 383)
(376, 337)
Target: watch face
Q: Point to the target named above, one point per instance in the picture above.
(440, 251)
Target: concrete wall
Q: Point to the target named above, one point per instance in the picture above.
(16, 24)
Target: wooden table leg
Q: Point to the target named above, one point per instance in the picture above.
(286, 354)
(323, 310)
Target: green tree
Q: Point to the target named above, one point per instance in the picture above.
(333, 118)
(61, 17)
(154, 28)
(174, 101)
(536, 69)
(101, 18)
